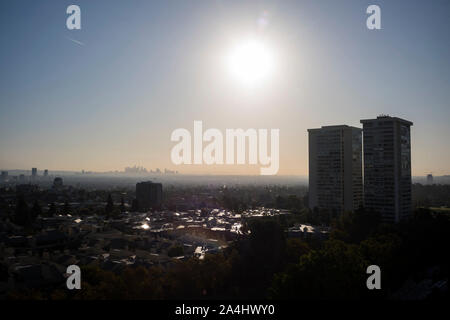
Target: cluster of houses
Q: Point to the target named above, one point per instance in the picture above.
(132, 239)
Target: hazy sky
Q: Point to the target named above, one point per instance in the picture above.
(109, 95)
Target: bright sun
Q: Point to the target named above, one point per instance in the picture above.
(251, 63)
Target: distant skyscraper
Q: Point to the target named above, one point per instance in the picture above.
(430, 179)
(335, 168)
(45, 173)
(387, 167)
(4, 176)
(148, 195)
(34, 172)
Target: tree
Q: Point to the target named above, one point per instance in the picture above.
(67, 207)
(134, 205)
(175, 251)
(423, 214)
(295, 248)
(36, 210)
(260, 256)
(337, 271)
(109, 205)
(51, 210)
(22, 214)
(356, 226)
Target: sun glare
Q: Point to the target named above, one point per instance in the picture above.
(251, 63)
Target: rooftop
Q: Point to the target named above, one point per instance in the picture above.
(334, 127)
(387, 117)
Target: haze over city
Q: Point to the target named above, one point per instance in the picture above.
(109, 95)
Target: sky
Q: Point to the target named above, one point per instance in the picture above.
(110, 95)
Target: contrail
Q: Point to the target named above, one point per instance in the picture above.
(76, 41)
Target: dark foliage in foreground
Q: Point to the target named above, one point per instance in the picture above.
(268, 265)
